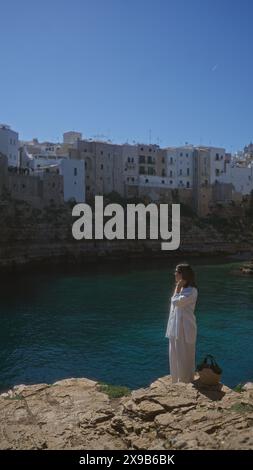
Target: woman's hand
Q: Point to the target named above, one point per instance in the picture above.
(179, 286)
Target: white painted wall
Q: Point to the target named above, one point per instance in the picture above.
(9, 144)
(180, 166)
(217, 167)
(72, 170)
(241, 177)
(155, 181)
(73, 179)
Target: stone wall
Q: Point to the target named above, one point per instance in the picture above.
(38, 191)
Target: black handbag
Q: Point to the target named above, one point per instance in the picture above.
(209, 371)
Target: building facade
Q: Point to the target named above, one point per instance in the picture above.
(9, 144)
(71, 137)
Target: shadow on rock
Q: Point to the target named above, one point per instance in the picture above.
(213, 392)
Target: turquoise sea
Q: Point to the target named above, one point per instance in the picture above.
(108, 322)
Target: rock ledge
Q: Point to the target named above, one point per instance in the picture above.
(75, 414)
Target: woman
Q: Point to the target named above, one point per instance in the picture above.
(182, 328)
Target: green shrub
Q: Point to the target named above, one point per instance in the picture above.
(238, 388)
(114, 391)
(242, 407)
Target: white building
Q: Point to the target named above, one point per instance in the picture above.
(73, 173)
(44, 148)
(129, 167)
(9, 144)
(240, 176)
(155, 181)
(217, 163)
(72, 170)
(180, 166)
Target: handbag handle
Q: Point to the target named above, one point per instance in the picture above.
(212, 360)
(214, 366)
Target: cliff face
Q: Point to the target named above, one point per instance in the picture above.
(75, 414)
(30, 235)
(28, 243)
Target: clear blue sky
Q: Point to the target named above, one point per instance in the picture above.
(182, 68)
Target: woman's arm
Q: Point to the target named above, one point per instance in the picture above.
(183, 298)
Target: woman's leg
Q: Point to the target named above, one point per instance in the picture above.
(173, 360)
(186, 360)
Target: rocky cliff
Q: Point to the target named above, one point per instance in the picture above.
(26, 244)
(77, 414)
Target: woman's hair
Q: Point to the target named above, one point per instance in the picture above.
(188, 274)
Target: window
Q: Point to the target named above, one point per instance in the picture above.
(187, 184)
(217, 172)
(150, 170)
(142, 170)
(171, 182)
(163, 160)
(150, 160)
(128, 160)
(133, 179)
(101, 152)
(171, 173)
(181, 154)
(141, 159)
(217, 156)
(188, 171)
(132, 160)
(146, 180)
(75, 171)
(162, 181)
(142, 149)
(163, 173)
(180, 172)
(101, 166)
(150, 150)
(85, 165)
(171, 160)
(181, 182)
(187, 155)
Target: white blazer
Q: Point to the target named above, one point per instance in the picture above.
(182, 314)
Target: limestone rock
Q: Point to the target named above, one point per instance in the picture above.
(75, 414)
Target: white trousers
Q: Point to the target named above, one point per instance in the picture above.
(182, 359)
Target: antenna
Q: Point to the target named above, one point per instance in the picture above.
(100, 136)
